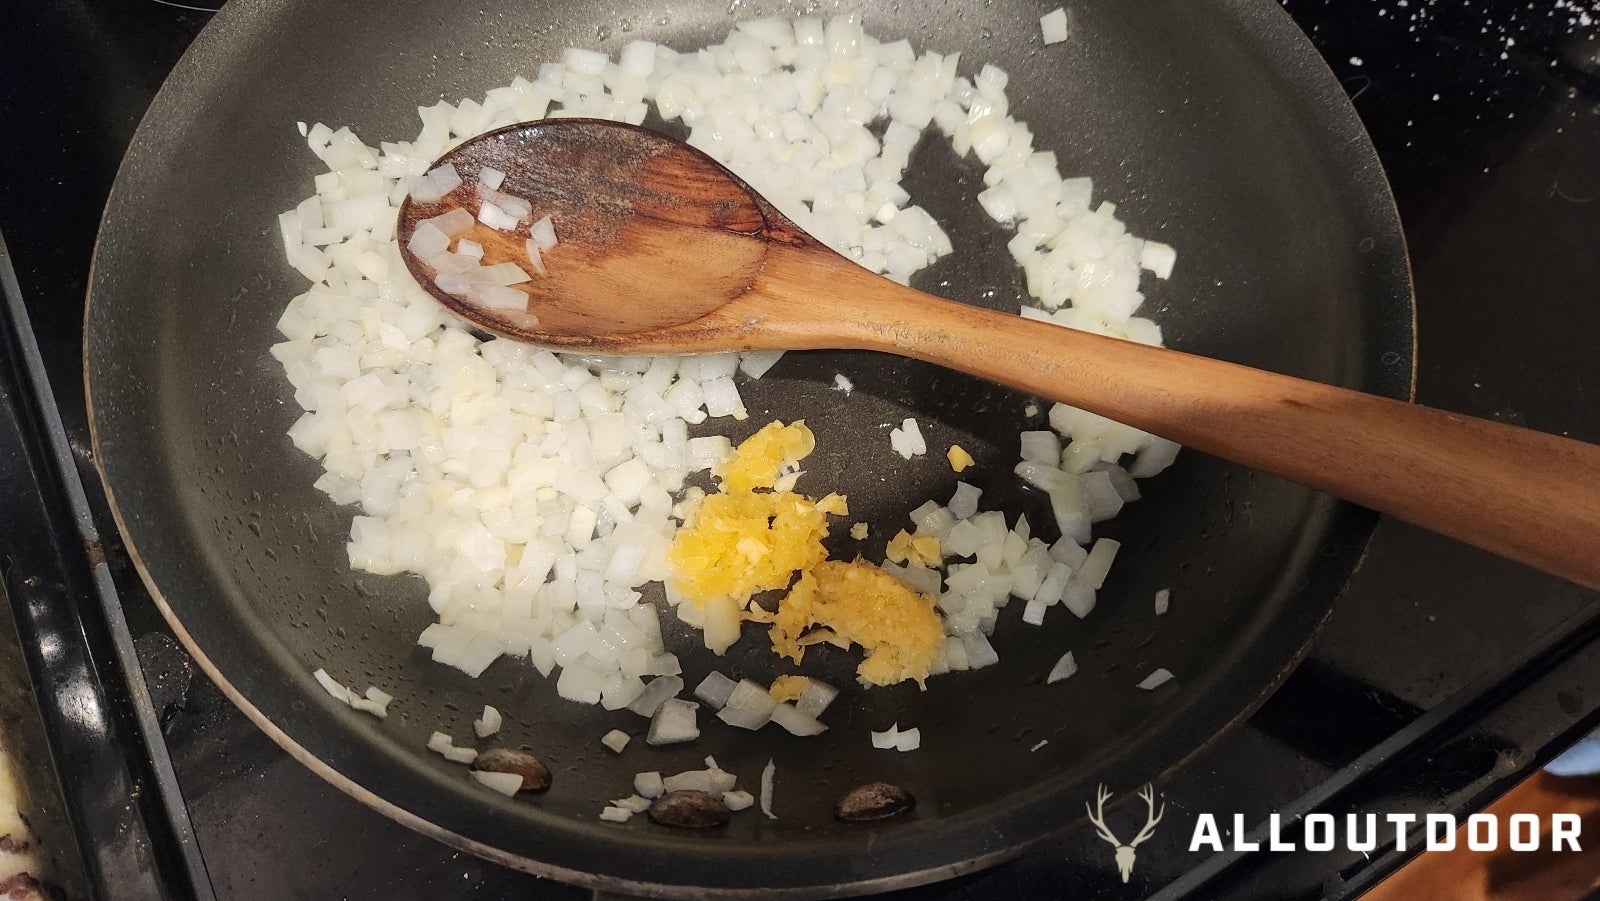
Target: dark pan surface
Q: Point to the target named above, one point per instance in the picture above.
(1213, 125)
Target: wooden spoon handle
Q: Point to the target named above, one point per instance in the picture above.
(1526, 495)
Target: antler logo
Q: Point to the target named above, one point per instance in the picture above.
(1125, 852)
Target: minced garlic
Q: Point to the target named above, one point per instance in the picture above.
(755, 536)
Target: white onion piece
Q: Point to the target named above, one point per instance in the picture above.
(715, 689)
(453, 224)
(768, 776)
(693, 780)
(332, 687)
(491, 178)
(674, 723)
(427, 241)
(1053, 26)
(885, 740)
(650, 785)
(614, 814)
(815, 698)
(908, 740)
(1158, 258)
(840, 383)
(507, 784)
(434, 185)
(656, 693)
(488, 724)
(794, 722)
(1156, 679)
(1094, 568)
(736, 801)
(757, 363)
(964, 503)
(632, 803)
(492, 215)
(535, 258)
(444, 745)
(1064, 669)
(1033, 612)
(907, 440)
(1163, 601)
(543, 234)
(1078, 597)
(615, 740)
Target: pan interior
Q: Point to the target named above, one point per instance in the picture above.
(1212, 125)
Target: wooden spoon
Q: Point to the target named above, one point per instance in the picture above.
(662, 250)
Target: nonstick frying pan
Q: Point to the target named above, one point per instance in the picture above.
(1213, 125)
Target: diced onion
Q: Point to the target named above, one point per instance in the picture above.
(1156, 679)
(487, 724)
(1064, 669)
(768, 774)
(1053, 26)
(506, 784)
(615, 740)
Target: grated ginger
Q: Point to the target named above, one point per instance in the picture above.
(923, 549)
(756, 534)
(858, 603)
(958, 457)
(742, 540)
(788, 688)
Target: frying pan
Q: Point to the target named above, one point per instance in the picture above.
(1213, 125)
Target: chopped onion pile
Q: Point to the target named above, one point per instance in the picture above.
(535, 492)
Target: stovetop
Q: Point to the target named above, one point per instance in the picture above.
(1444, 676)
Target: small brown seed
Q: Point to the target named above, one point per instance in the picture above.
(689, 810)
(873, 801)
(535, 776)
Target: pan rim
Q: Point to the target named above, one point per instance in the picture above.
(1344, 117)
